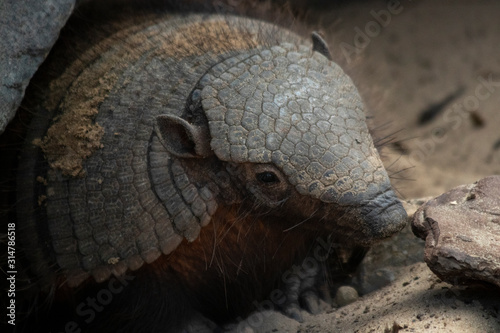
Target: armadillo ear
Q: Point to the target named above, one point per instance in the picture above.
(319, 45)
(183, 139)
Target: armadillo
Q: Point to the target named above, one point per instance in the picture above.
(204, 153)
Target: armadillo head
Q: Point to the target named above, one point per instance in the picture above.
(290, 124)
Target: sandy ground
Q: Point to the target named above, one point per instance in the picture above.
(416, 302)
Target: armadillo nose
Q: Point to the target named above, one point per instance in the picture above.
(383, 216)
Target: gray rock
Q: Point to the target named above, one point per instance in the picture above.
(29, 29)
(461, 229)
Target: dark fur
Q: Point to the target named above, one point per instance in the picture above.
(236, 262)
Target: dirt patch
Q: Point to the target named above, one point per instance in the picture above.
(73, 138)
(74, 135)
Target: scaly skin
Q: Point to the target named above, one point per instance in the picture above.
(190, 127)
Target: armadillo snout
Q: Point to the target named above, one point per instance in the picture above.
(382, 216)
(368, 216)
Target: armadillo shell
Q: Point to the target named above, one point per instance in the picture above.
(97, 193)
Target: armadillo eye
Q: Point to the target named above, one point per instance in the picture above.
(267, 177)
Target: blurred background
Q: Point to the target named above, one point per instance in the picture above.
(430, 74)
